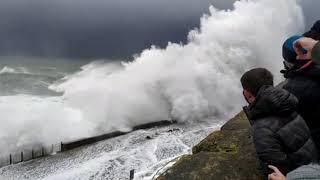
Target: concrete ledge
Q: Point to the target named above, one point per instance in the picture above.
(223, 155)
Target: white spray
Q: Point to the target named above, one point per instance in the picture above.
(183, 82)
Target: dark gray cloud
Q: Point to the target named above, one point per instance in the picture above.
(99, 28)
(96, 28)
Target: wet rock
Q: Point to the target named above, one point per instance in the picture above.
(173, 130)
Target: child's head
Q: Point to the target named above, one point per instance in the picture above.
(253, 80)
(288, 52)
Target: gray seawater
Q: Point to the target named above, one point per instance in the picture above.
(32, 76)
(109, 159)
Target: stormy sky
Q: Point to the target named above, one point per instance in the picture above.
(102, 28)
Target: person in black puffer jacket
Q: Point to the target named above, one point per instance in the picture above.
(303, 80)
(281, 136)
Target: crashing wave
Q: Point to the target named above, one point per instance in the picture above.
(186, 82)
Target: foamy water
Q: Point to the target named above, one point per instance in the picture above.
(115, 158)
(187, 83)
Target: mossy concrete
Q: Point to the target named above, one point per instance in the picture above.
(227, 154)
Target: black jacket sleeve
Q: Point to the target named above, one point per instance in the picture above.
(270, 150)
(316, 53)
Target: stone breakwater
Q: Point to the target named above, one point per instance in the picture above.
(224, 155)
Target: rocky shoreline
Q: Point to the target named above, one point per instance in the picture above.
(224, 155)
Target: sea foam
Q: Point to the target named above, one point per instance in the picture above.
(185, 82)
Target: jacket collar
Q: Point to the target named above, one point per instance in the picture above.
(311, 71)
(271, 101)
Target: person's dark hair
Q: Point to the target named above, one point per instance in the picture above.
(314, 32)
(254, 79)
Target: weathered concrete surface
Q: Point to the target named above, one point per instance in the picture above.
(224, 155)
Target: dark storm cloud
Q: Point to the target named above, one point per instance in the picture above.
(98, 28)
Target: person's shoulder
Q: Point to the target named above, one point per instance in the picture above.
(282, 84)
(268, 122)
(299, 85)
(277, 122)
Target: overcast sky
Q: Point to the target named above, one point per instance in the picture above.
(102, 28)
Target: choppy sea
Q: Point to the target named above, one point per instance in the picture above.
(145, 151)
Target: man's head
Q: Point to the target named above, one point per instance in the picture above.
(253, 80)
(314, 32)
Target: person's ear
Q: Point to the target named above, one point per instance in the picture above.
(248, 96)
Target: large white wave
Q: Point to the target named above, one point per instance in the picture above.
(185, 82)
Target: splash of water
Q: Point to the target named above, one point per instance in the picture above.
(185, 82)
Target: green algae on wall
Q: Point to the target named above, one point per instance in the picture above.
(227, 154)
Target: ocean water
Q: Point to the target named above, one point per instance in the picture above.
(113, 159)
(46, 101)
(33, 76)
(28, 80)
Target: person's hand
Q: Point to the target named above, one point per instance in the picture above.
(276, 175)
(307, 44)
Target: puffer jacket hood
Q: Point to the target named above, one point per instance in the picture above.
(271, 101)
